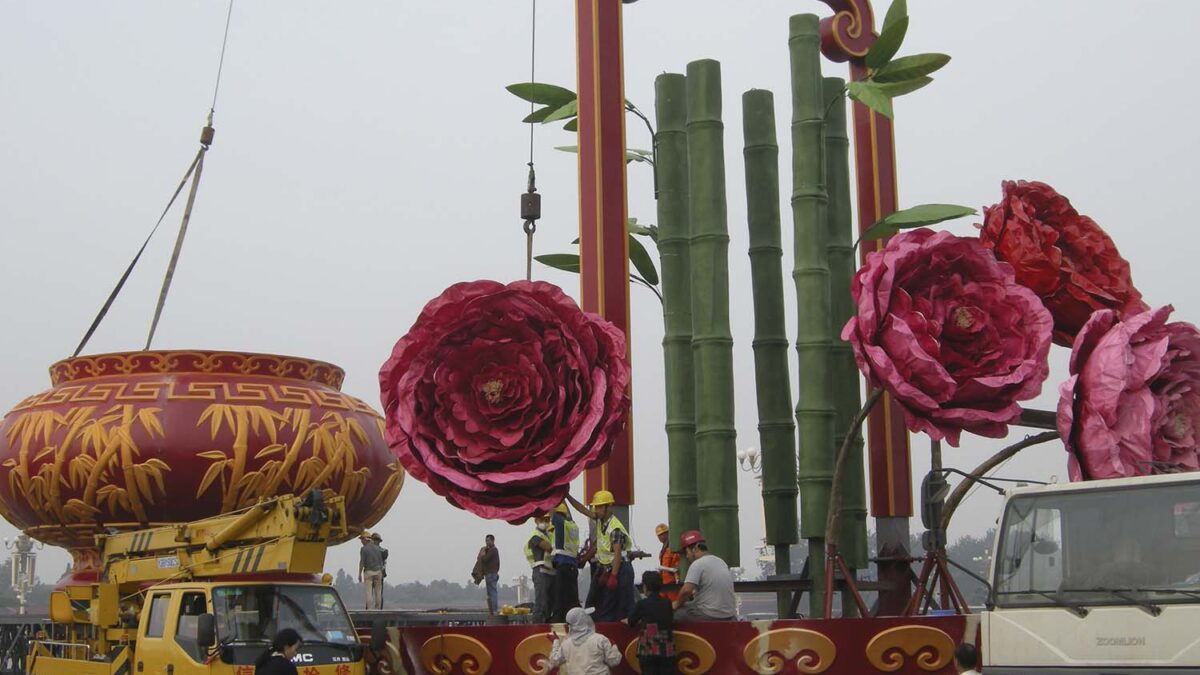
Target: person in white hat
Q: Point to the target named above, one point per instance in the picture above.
(583, 651)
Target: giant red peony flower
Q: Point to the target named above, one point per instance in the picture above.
(499, 395)
(1064, 257)
(947, 331)
(1132, 404)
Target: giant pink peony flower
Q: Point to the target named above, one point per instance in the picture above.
(1064, 257)
(1132, 404)
(947, 331)
(499, 395)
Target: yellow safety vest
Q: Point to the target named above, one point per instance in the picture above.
(604, 553)
(545, 561)
(570, 539)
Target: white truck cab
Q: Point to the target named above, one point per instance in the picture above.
(1097, 577)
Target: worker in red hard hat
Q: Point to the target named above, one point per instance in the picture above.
(707, 593)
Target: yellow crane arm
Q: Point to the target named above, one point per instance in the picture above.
(279, 534)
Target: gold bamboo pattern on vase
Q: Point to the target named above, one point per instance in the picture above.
(105, 464)
(323, 453)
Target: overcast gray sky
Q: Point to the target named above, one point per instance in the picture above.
(367, 156)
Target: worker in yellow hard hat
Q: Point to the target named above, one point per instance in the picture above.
(611, 592)
(565, 561)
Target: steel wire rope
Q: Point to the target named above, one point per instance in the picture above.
(192, 172)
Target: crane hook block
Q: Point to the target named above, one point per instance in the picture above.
(531, 206)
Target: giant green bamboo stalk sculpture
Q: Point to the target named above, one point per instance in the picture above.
(712, 343)
(845, 383)
(674, 242)
(776, 430)
(814, 407)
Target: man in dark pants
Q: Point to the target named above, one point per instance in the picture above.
(566, 565)
(611, 592)
(538, 553)
(488, 561)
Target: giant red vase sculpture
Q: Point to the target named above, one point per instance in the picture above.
(136, 439)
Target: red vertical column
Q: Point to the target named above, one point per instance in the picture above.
(846, 36)
(603, 242)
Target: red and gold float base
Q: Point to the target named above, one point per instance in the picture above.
(136, 439)
(905, 646)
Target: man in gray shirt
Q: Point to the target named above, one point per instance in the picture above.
(707, 593)
(370, 569)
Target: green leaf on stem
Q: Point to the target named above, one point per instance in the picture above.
(869, 94)
(887, 44)
(910, 67)
(567, 262)
(568, 110)
(631, 155)
(897, 11)
(917, 216)
(641, 230)
(894, 89)
(642, 261)
(573, 125)
(538, 115)
(545, 94)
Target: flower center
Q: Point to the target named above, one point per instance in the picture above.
(963, 318)
(492, 390)
(1181, 425)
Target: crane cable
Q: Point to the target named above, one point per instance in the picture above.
(531, 201)
(206, 138)
(193, 172)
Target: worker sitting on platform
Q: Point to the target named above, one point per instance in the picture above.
(611, 593)
(707, 593)
(538, 553)
(566, 565)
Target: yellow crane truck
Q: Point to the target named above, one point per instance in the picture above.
(206, 597)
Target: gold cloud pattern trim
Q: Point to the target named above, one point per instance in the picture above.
(930, 647)
(810, 651)
(441, 653)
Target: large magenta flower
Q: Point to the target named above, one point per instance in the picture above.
(499, 395)
(1132, 404)
(1066, 258)
(947, 331)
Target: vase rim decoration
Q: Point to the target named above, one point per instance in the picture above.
(175, 361)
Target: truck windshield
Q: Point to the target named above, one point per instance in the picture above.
(1112, 546)
(254, 613)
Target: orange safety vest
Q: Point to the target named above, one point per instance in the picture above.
(668, 567)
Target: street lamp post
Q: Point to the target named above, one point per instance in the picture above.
(750, 460)
(24, 562)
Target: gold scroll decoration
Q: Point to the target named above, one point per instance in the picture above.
(932, 648)
(441, 653)
(770, 652)
(694, 654)
(533, 654)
